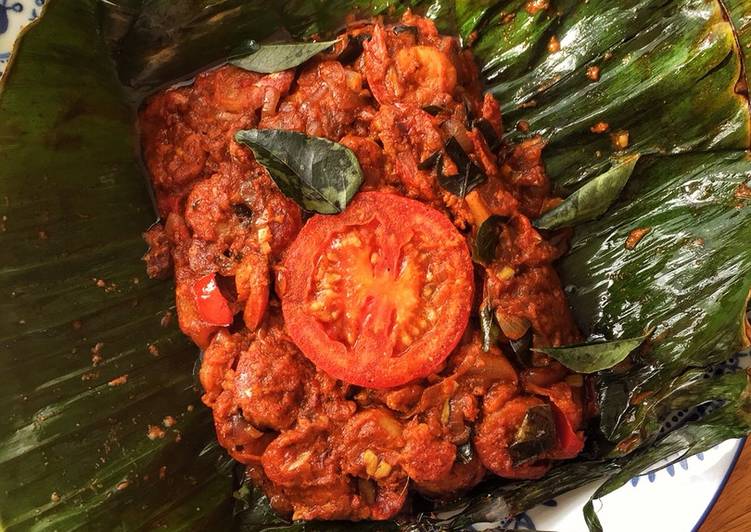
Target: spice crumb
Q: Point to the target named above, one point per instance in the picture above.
(593, 73)
(55, 497)
(619, 139)
(154, 350)
(77, 325)
(743, 191)
(96, 354)
(169, 421)
(522, 126)
(190, 408)
(535, 6)
(554, 45)
(118, 381)
(607, 55)
(600, 127)
(163, 472)
(635, 236)
(43, 235)
(101, 283)
(122, 485)
(155, 432)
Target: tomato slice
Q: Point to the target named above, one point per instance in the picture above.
(379, 295)
(212, 306)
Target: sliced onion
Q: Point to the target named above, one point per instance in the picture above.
(454, 128)
(513, 327)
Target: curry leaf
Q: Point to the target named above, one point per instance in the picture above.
(470, 175)
(592, 199)
(589, 358)
(535, 435)
(488, 327)
(487, 239)
(270, 58)
(320, 175)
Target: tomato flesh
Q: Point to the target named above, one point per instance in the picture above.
(379, 295)
(212, 306)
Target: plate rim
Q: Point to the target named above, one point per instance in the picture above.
(721, 487)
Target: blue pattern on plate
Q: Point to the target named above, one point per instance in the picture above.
(520, 522)
(6, 7)
(682, 416)
(12, 14)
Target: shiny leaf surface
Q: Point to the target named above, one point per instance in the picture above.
(83, 384)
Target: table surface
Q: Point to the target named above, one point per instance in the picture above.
(732, 512)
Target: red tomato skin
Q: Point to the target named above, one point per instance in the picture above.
(570, 443)
(372, 366)
(212, 306)
(568, 418)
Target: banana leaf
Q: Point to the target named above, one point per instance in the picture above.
(104, 427)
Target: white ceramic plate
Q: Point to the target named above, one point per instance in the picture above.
(677, 498)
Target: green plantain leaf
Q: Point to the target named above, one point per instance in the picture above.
(270, 58)
(678, 57)
(92, 366)
(320, 175)
(688, 279)
(592, 199)
(729, 421)
(86, 363)
(739, 14)
(593, 357)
